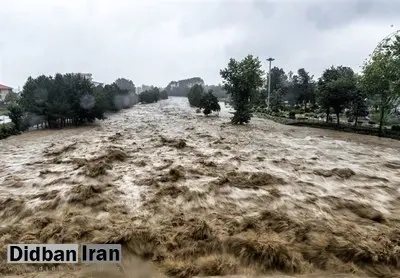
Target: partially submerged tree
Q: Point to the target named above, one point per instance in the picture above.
(150, 96)
(62, 98)
(195, 94)
(164, 94)
(209, 103)
(240, 80)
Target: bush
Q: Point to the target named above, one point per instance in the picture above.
(150, 96)
(15, 114)
(164, 94)
(209, 103)
(292, 115)
(7, 130)
(396, 128)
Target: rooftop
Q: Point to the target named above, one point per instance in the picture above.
(4, 87)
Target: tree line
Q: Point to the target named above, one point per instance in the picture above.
(338, 89)
(181, 88)
(70, 99)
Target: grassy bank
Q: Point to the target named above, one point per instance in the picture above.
(368, 130)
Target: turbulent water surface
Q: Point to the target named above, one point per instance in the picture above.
(189, 195)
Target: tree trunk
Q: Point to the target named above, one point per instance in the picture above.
(381, 120)
(356, 115)
(337, 118)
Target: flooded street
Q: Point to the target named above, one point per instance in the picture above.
(195, 196)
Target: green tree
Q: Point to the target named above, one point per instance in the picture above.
(68, 97)
(335, 87)
(195, 94)
(164, 94)
(125, 85)
(305, 88)
(279, 88)
(150, 96)
(358, 105)
(276, 99)
(15, 113)
(240, 80)
(11, 97)
(209, 103)
(381, 80)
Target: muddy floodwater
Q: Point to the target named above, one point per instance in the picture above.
(188, 195)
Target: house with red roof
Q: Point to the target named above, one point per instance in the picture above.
(4, 90)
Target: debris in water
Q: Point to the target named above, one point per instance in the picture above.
(344, 173)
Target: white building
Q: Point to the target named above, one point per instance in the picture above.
(4, 90)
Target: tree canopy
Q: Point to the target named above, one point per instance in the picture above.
(125, 85)
(241, 79)
(381, 79)
(195, 94)
(71, 98)
(336, 87)
(11, 97)
(150, 96)
(209, 103)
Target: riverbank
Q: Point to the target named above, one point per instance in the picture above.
(367, 130)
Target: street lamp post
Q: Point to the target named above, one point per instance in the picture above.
(269, 81)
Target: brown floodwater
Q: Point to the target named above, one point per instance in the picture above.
(188, 195)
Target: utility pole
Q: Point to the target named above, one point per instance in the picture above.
(269, 81)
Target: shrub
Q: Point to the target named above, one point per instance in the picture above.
(396, 128)
(292, 115)
(209, 103)
(15, 114)
(164, 94)
(150, 96)
(7, 130)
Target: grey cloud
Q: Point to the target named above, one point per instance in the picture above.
(334, 14)
(154, 42)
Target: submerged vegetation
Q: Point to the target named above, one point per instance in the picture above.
(202, 100)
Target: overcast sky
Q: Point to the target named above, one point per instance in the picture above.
(154, 42)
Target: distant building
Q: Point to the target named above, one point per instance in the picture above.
(4, 90)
